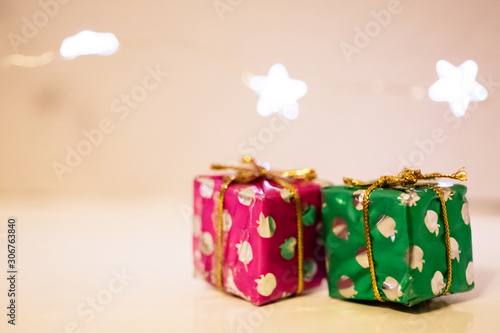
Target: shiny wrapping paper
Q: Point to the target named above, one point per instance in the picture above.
(259, 237)
(408, 242)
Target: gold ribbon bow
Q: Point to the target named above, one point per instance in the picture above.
(247, 173)
(406, 177)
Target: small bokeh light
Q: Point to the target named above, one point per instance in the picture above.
(89, 42)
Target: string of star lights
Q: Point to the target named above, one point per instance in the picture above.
(456, 85)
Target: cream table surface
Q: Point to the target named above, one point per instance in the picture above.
(113, 263)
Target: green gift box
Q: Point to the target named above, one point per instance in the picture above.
(413, 239)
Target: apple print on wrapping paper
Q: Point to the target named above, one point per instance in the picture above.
(266, 284)
(246, 196)
(387, 227)
(431, 221)
(196, 225)
(227, 221)
(469, 273)
(267, 226)
(309, 215)
(231, 285)
(414, 257)
(245, 253)
(199, 267)
(206, 187)
(206, 243)
(437, 283)
(288, 248)
(447, 193)
(455, 251)
(362, 257)
(357, 199)
(286, 194)
(345, 285)
(339, 228)
(409, 198)
(392, 289)
(310, 268)
(465, 213)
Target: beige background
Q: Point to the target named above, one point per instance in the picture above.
(358, 119)
(127, 205)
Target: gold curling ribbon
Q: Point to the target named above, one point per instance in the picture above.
(405, 178)
(247, 173)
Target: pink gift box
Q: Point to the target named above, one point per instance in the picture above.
(260, 261)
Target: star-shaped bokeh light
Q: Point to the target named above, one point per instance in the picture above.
(278, 93)
(457, 86)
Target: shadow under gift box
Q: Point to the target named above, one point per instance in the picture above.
(408, 242)
(260, 260)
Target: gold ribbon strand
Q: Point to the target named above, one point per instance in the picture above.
(406, 177)
(247, 173)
